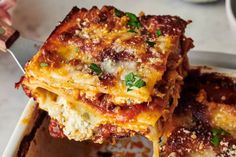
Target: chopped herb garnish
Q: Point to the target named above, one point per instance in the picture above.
(215, 140)
(133, 20)
(118, 12)
(140, 83)
(76, 49)
(132, 81)
(43, 64)
(94, 67)
(129, 79)
(132, 31)
(216, 133)
(158, 32)
(219, 131)
(132, 16)
(150, 43)
(134, 24)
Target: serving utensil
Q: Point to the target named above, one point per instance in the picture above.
(20, 48)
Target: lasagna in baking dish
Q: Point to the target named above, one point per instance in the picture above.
(206, 95)
(204, 121)
(104, 73)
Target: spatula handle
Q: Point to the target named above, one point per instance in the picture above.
(7, 35)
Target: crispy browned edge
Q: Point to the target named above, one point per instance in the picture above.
(192, 126)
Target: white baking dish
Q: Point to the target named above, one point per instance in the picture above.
(221, 62)
(230, 6)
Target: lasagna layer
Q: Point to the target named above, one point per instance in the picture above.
(106, 73)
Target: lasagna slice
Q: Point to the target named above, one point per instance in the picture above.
(104, 73)
(204, 121)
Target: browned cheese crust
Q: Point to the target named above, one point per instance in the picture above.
(204, 121)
